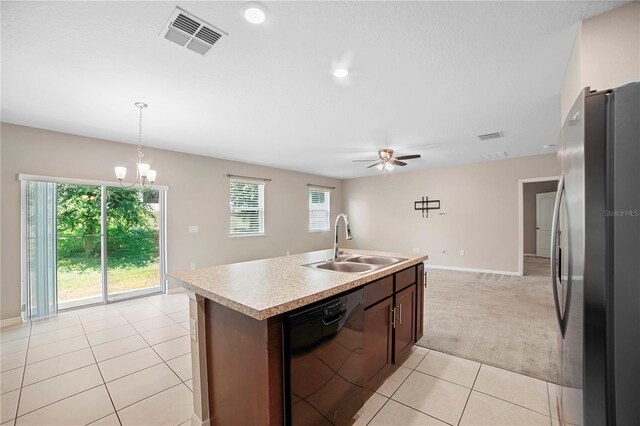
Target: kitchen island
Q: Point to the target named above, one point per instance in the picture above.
(238, 327)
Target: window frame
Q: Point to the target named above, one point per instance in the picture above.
(327, 193)
(261, 210)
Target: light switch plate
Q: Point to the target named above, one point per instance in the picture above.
(193, 228)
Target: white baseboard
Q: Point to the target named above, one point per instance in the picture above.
(530, 254)
(195, 421)
(484, 271)
(10, 321)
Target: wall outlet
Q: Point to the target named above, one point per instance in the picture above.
(461, 252)
(444, 251)
(193, 266)
(193, 328)
(193, 229)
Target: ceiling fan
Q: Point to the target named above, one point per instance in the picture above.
(387, 161)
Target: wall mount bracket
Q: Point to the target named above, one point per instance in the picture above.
(425, 204)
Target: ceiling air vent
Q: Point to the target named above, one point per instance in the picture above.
(191, 32)
(489, 136)
(495, 155)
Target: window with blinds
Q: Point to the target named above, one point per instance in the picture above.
(319, 209)
(246, 203)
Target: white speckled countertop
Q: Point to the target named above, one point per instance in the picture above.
(268, 287)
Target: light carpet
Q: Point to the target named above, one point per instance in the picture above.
(501, 320)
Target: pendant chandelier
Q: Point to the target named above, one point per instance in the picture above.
(144, 174)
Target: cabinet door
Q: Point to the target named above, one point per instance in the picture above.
(378, 333)
(421, 285)
(405, 322)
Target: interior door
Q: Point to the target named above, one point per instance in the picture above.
(544, 214)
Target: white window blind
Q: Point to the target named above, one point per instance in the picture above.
(246, 202)
(319, 209)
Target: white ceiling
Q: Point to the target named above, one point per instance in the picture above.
(424, 73)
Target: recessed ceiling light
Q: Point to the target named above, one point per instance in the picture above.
(255, 13)
(550, 146)
(340, 72)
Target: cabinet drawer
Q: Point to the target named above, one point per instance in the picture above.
(378, 290)
(405, 278)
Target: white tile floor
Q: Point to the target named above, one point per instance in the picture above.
(433, 388)
(128, 364)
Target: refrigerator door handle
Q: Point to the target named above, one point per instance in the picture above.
(554, 245)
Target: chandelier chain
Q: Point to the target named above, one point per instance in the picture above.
(140, 154)
(144, 175)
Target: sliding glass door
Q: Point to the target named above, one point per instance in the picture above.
(79, 238)
(134, 218)
(87, 244)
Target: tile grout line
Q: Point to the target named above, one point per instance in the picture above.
(405, 379)
(104, 383)
(57, 375)
(379, 409)
(408, 406)
(163, 361)
(469, 396)
(510, 402)
(422, 412)
(549, 398)
(440, 378)
(62, 399)
(26, 354)
(25, 364)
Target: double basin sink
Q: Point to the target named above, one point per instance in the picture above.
(357, 263)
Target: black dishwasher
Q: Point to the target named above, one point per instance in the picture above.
(324, 362)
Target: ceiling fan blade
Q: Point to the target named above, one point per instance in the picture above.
(398, 162)
(364, 161)
(374, 164)
(409, 157)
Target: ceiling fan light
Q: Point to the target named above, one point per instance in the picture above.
(388, 167)
(340, 72)
(380, 166)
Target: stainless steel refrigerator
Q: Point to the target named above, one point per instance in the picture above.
(596, 261)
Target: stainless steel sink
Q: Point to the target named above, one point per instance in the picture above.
(344, 266)
(357, 264)
(376, 260)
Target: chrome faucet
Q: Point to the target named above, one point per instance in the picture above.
(336, 252)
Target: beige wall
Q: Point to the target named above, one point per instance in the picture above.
(529, 192)
(572, 83)
(198, 195)
(480, 201)
(606, 53)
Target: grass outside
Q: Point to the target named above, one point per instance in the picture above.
(78, 278)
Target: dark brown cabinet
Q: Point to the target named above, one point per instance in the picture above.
(404, 322)
(420, 287)
(378, 340)
(391, 317)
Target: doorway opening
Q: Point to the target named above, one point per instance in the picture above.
(537, 199)
(86, 243)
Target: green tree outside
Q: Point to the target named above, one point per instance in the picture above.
(132, 240)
